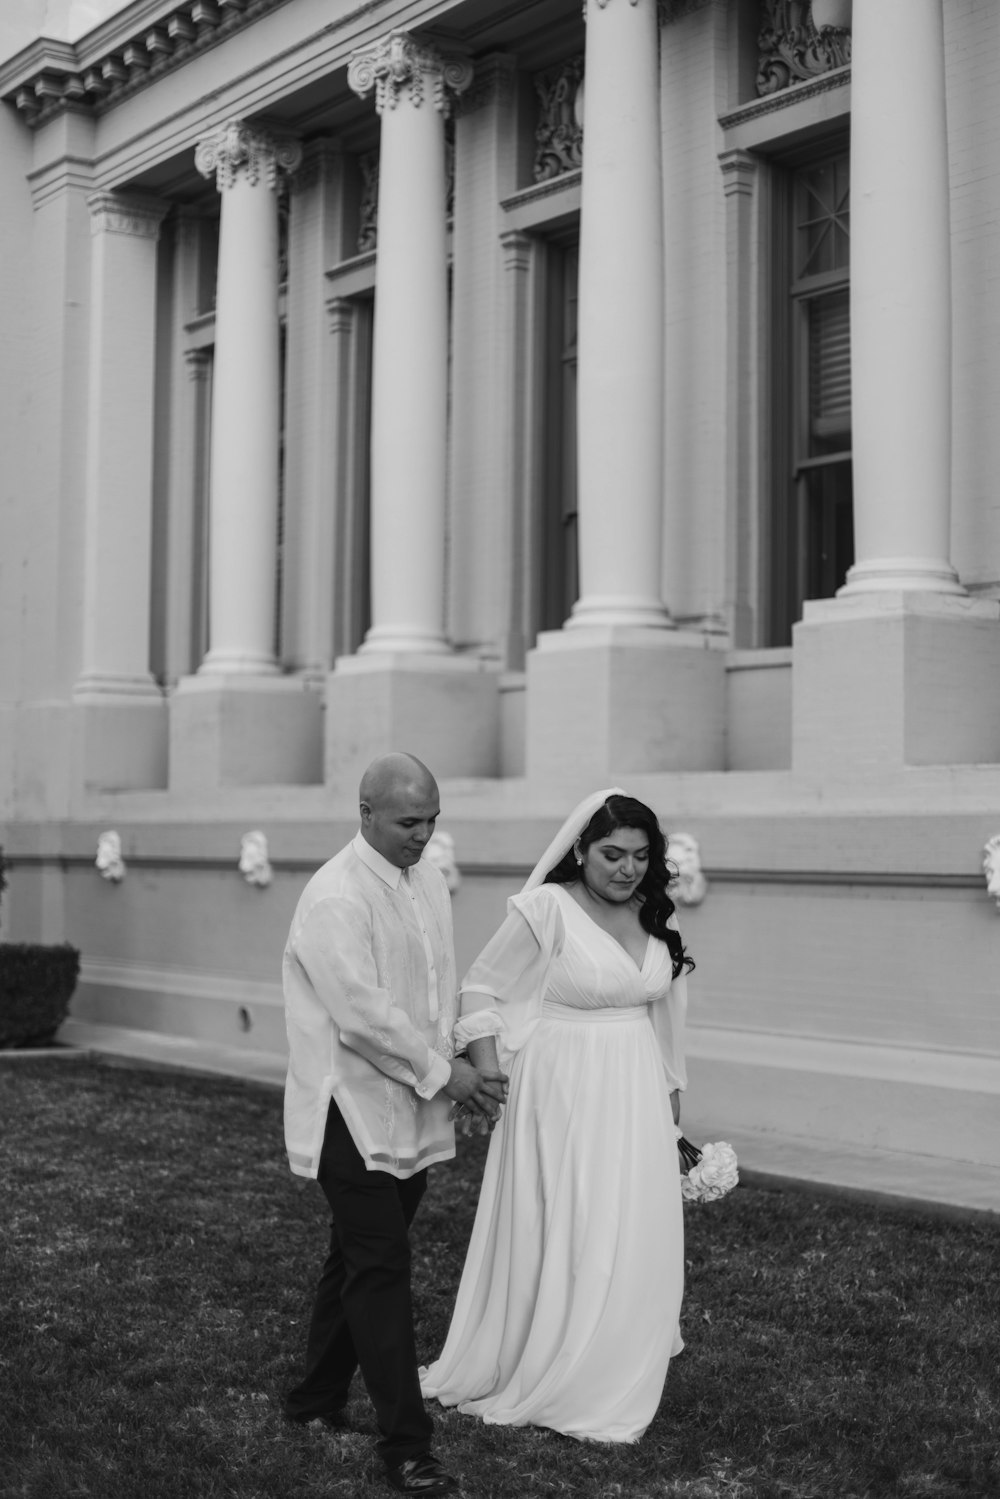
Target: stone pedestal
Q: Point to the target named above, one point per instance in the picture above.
(244, 731)
(893, 679)
(626, 701)
(120, 741)
(443, 709)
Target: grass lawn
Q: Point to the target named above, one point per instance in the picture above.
(157, 1262)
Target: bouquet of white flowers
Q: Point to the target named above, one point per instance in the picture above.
(709, 1173)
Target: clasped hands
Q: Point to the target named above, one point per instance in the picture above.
(477, 1094)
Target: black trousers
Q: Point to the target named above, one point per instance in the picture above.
(363, 1312)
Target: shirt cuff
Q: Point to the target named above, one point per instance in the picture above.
(438, 1074)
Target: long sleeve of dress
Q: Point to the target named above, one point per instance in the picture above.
(502, 991)
(668, 1014)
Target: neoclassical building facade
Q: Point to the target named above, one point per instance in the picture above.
(573, 395)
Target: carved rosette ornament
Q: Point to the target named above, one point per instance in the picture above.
(258, 152)
(793, 48)
(398, 63)
(559, 132)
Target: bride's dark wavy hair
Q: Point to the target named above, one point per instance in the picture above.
(657, 907)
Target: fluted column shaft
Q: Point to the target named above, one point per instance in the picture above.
(900, 300)
(243, 501)
(620, 370)
(410, 342)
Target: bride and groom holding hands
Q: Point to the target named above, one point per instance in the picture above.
(568, 1037)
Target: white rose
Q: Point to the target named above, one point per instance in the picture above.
(716, 1173)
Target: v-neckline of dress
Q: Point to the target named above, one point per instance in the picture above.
(640, 968)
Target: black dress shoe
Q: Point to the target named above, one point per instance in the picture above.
(421, 1475)
(337, 1420)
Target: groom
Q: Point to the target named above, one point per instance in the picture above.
(370, 1002)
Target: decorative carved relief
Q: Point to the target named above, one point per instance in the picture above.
(398, 62)
(109, 857)
(559, 132)
(368, 218)
(991, 867)
(258, 152)
(255, 867)
(120, 213)
(440, 852)
(793, 48)
(691, 886)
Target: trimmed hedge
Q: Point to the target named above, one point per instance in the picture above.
(36, 985)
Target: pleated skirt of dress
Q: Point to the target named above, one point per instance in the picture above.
(568, 1309)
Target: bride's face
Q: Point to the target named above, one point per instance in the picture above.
(614, 866)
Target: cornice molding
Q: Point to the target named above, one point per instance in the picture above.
(118, 58)
(838, 78)
(258, 151)
(400, 63)
(541, 190)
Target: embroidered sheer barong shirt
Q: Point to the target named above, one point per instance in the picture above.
(370, 1004)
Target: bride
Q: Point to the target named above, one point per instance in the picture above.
(567, 1312)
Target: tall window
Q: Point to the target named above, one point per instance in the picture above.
(813, 530)
(560, 567)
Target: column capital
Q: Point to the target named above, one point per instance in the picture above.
(259, 151)
(126, 213)
(399, 62)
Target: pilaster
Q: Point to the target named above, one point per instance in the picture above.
(119, 710)
(315, 379)
(483, 504)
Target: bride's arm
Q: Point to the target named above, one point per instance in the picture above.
(483, 1054)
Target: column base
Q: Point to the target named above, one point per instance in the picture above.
(896, 678)
(606, 703)
(443, 709)
(120, 740)
(244, 731)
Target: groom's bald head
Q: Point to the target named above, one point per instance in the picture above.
(399, 807)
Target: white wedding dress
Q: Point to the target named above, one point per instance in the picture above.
(567, 1312)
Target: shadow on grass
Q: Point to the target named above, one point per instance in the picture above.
(157, 1262)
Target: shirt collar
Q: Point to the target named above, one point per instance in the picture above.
(390, 874)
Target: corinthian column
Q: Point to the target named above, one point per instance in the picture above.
(406, 685)
(639, 694)
(621, 331)
(413, 84)
(238, 721)
(245, 161)
(901, 667)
